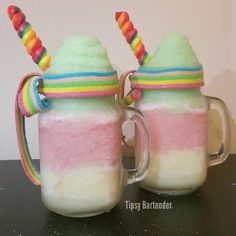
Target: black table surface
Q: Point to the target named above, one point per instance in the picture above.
(209, 211)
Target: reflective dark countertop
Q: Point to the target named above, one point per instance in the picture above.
(209, 211)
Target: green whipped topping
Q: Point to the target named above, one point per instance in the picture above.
(173, 51)
(80, 54)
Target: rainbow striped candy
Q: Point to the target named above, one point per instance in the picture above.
(29, 99)
(26, 160)
(132, 96)
(80, 84)
(29, 38)
(72, 85)
(132, 37)
(173, 77)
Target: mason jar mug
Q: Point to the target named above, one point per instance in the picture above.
(81, 172)
(177, 120)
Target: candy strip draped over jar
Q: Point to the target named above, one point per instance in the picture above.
(163, 78)
(34, 93)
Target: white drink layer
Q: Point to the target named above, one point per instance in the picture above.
(177, 169)
(180, 100)
(100, 110)
(83, 190)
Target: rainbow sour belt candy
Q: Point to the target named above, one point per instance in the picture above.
(81, 84)
(179, 77)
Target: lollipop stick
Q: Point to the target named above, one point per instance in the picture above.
(132, 37)
(29, 38)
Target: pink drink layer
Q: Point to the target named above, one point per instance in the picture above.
(76, 142)
(178, 162)
(170, 130)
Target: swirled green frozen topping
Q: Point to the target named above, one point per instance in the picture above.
(173, 51)
(80, 54)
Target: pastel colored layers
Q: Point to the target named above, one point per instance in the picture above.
(80, 160)
(178, 149)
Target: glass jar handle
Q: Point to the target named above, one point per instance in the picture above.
(121, 92)
(139, 173)
(220, 156)
(126, 100)
(133, 94)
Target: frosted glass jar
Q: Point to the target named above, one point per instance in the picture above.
(80, 152)
(177, 122)
(81, 171)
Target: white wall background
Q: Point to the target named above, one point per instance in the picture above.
(209, 25)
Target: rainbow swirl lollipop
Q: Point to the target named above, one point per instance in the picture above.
(132, 37)
(29, 38)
